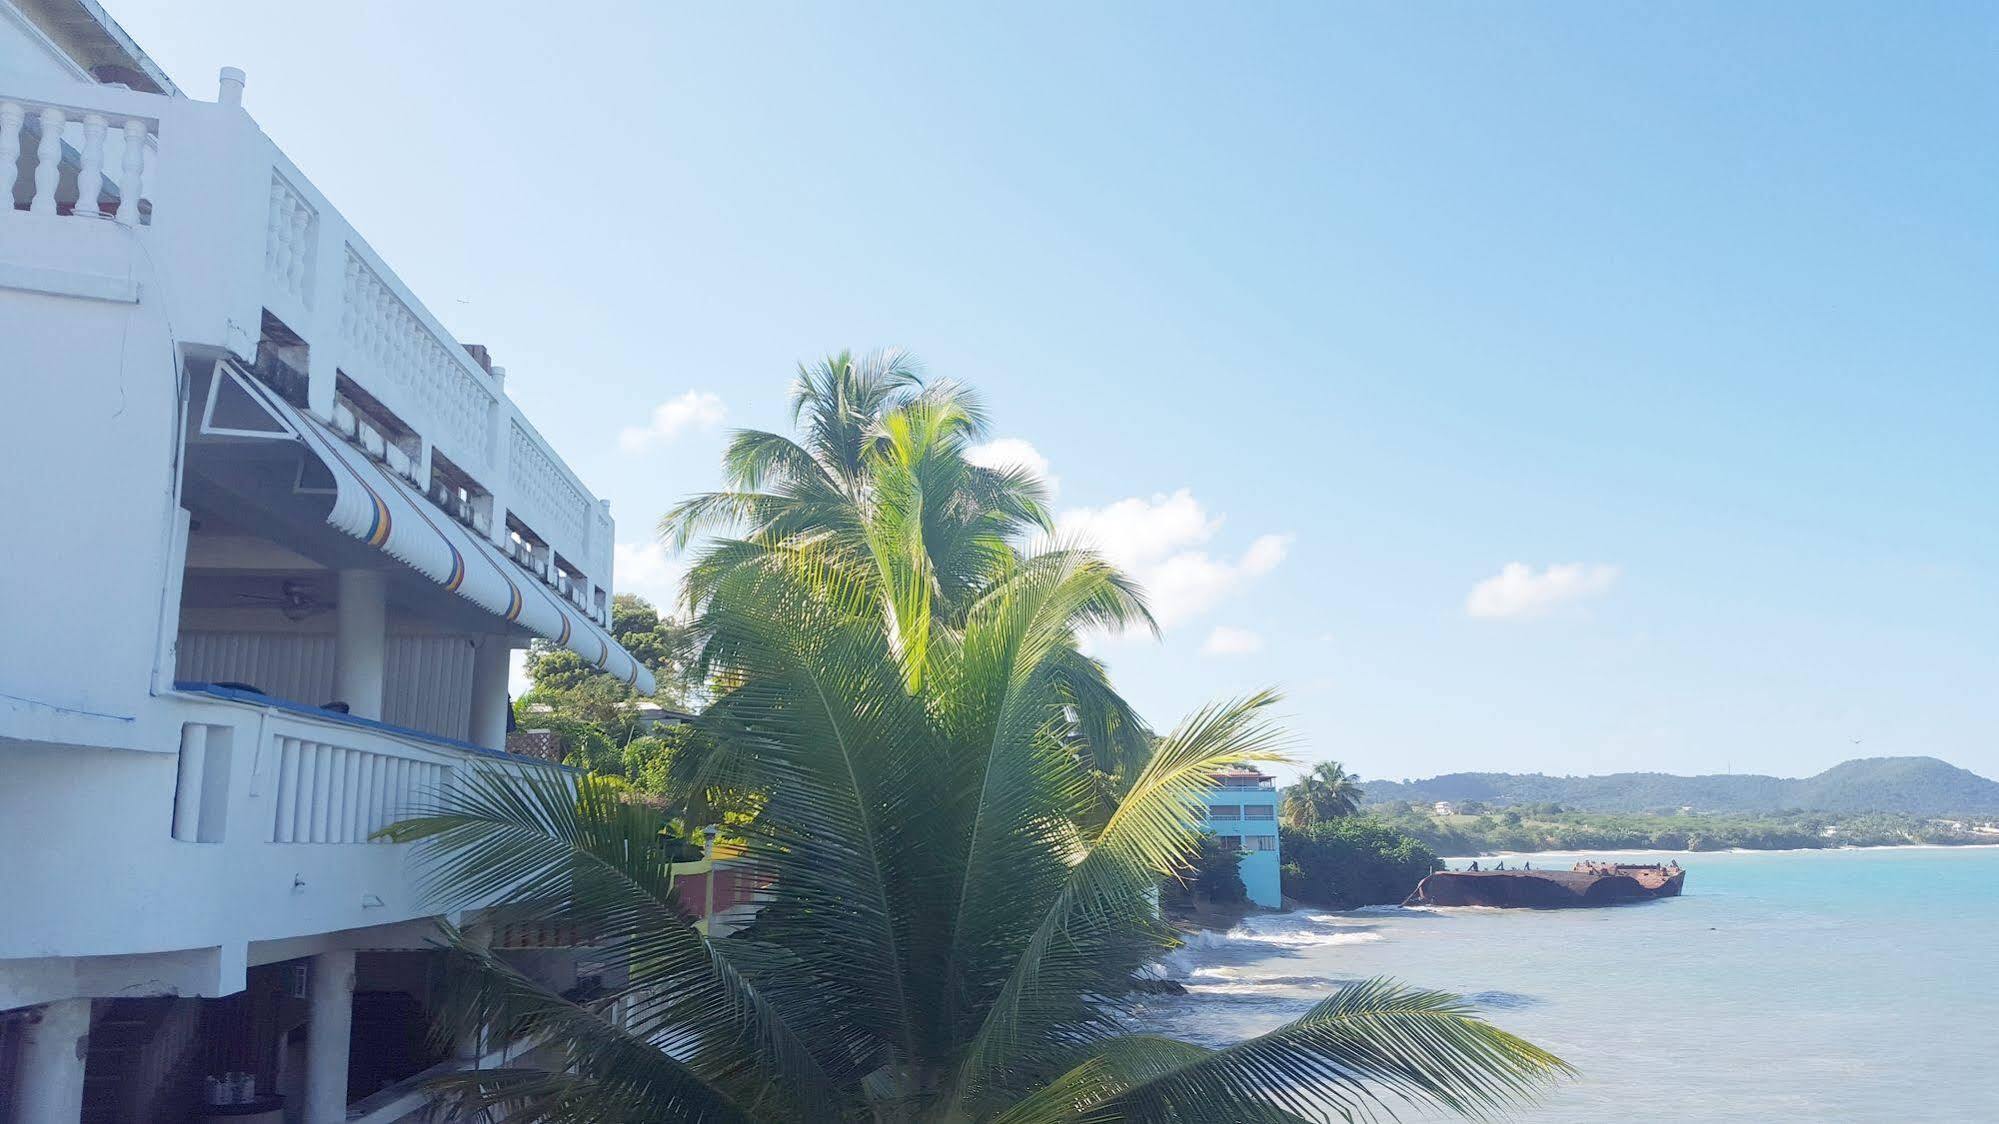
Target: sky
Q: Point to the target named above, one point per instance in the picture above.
(1565, 388)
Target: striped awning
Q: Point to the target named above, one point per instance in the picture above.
(388, 513)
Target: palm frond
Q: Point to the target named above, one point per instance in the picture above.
(1112, 1068)
(756, 458)
(604, 1072)
(1104, 906)
(535, 842)
(1356, 1055)
(840, 745)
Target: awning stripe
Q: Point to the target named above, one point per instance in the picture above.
(388, 513)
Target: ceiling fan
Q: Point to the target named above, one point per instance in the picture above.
(295, 600)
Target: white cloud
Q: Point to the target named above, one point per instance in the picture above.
(1136, 533)
(1227, 640)
(649, 571)
(1012, 452)
(1158, 541)
(696, 409)
(1519, 591)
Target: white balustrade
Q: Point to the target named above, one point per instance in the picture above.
(543, 493)
(430, 379)
(56, 131)
(332, 793)
(291, 240)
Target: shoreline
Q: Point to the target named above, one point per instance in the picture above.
(1723, 851)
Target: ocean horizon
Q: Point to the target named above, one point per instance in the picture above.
(1852, 984)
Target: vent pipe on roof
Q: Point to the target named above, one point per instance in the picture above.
(232, 87)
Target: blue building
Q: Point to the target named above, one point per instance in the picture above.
(1242, 810)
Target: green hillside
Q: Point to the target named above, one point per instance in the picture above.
(1919, 786)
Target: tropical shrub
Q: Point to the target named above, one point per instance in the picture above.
(1214, 874)
(1353, 862)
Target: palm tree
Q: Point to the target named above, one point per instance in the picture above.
(879, 476)
(1328, 792)
(948, 932)
(859, 418)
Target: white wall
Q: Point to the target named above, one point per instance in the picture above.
(25, 51)
(93, 869)
(90, 436)
(428, 676)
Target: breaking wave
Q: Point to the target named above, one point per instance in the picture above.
(1262, 935)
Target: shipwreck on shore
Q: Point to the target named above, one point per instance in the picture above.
(1586, 884)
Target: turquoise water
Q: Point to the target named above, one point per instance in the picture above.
(1857, 985)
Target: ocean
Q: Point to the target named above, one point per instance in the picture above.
(1851, 985)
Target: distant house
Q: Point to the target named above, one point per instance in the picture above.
(652, 716)
(1242, 810)
(1443, 808)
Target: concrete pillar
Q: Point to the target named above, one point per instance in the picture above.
(361, 623)
(49, 1080)
(471, 1045)
(489, 692)
(329, 1028)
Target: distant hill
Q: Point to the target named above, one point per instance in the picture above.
(1921, 786)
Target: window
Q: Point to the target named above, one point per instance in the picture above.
(1258, 812)
(1231, 842)
(1262, 842)
(1225, 811)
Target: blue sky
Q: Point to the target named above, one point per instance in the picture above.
(1560, 387)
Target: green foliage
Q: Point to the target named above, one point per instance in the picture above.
(1536, 828)
(1352, 862)
(957, 903)
(878, 479)
(1328, 792)
(596, 716)
(1915, 786)
(1213, 874)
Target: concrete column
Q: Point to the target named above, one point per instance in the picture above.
(489, 692)
(49, 1083)
(471, 1045)
(329, 1028)
(361, 621)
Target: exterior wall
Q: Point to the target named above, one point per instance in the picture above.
(91, 436)
(427, 682)
(1255, 819)
(127, 891)
(159, 842)
(25, 50)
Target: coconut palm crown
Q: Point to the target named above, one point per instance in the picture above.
(880, 472)
(1328, 792)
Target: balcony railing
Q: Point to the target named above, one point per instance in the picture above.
(314, 776)
(239, 237)
(81, 162)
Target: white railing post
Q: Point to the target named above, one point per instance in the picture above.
(48, 163)
(274, 232)
(301, 248)
(90, 176)
(189, 782)
(132, 187)
(11, 116)
(287, 794)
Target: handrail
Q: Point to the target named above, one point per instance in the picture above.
(424, 740)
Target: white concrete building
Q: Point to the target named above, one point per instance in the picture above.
(272, 534)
